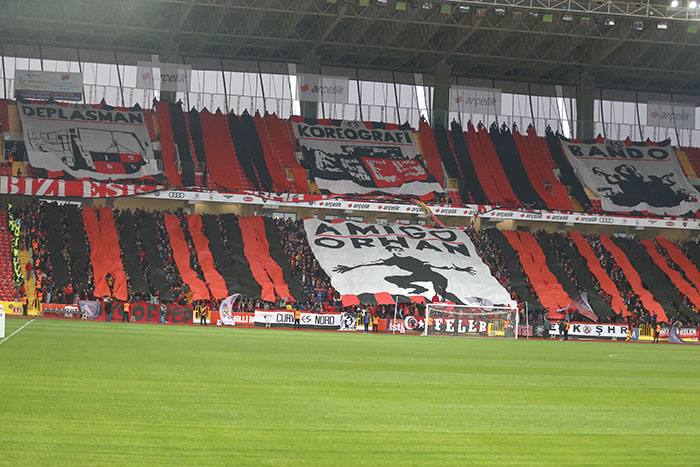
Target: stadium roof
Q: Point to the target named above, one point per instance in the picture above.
(517, 43)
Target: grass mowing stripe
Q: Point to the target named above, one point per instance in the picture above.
(113, 393)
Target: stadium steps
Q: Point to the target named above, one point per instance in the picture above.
(693, 156)
(685, 164)
(25, 257)
(4, 114)
(156, 126)
(14, 124)
(7, 285)
(17, 168)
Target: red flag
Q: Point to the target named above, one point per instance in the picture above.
(581, 305)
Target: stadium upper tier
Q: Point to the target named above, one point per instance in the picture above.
(470, 164)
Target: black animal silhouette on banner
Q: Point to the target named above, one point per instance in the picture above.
(420, 272)
(634, 188)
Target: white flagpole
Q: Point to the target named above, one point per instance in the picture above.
(527, 322)
(396, 309)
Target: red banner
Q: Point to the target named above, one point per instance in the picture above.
(141, 312)
(69, 188)
(393, 172)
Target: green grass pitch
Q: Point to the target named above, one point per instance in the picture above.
(84, 393)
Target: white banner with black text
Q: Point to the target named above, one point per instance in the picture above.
(630, 176)
(86, 142)
(404, 260)
(347, 157)
(282, 318)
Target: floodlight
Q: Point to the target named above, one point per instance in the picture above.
(662, 25)
(692, 4)
(610, 22)
(464, 8)
(427, 5)
(567, 17)
(638, 26)
(674, 4)
(381, 2)
(500, 11)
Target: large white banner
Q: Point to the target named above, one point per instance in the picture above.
(163, 76)
(403, 260)
(475, 100)
(59, 85)
(671, 115)
(347, 157)
(319, 88)
(633, 176)
(86, 142)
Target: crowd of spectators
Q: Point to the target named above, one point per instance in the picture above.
(305, 267)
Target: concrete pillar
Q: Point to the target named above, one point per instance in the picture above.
(441, 94)
(584, 106)
(170, 54)
(312, 65)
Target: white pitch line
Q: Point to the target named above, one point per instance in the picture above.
(614, 355)
(8, 337)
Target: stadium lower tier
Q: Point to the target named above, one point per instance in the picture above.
(319, 266)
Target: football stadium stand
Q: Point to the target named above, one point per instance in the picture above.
(149, 192)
